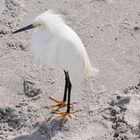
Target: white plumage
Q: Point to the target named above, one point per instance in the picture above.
(56, 44)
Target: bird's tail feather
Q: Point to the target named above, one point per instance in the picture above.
(92, 72)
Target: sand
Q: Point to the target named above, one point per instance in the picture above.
(108, 105)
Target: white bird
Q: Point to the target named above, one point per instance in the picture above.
(55, 43)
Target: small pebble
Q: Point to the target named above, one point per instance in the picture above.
(116, 134)
(115, 110)
(136, 28)
(122, 128)
(124, 101)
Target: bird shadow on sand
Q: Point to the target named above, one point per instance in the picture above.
(46, 130)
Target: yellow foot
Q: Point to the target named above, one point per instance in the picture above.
(59, 104)
(64, 115)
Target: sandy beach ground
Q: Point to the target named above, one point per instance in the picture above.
(109, 104)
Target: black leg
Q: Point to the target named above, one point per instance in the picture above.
(66, 87)
(69, 85)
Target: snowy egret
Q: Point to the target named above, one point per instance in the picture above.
(55, 43)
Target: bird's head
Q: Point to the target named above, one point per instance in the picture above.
(36, 24)
(48, 19)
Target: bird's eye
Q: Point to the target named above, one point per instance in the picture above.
(39, 25)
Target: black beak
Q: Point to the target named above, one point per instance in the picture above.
(24, 28)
